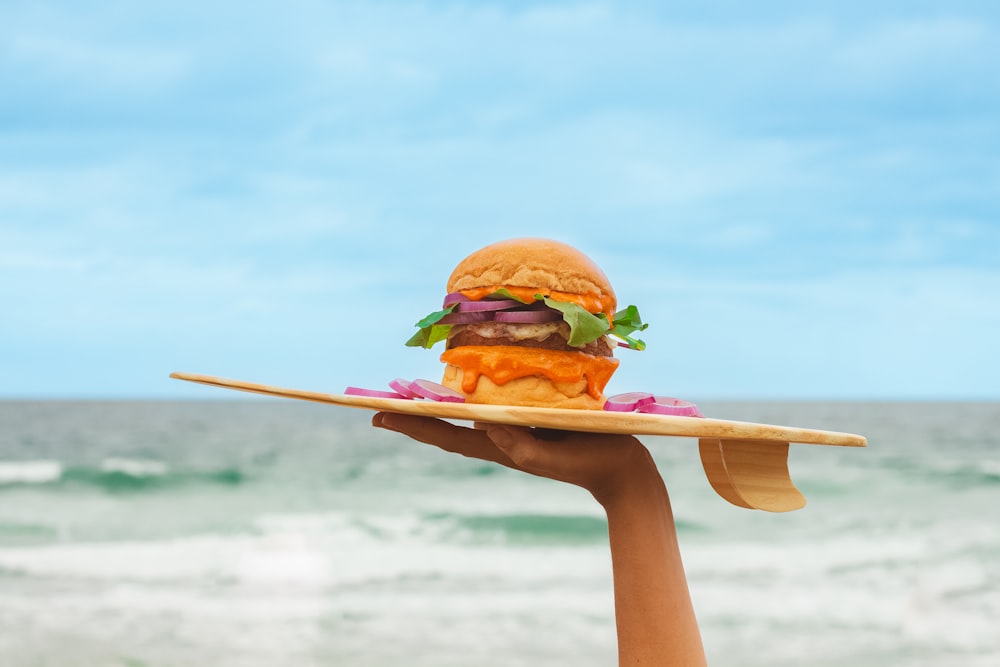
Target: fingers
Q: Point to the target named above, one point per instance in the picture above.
(449, 437)
(529, 452)
(596, 462)
(585, 459)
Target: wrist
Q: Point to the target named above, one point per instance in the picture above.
(636, 480)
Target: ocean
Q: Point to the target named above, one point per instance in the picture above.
(254, 533)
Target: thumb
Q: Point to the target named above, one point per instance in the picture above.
(501, 436)
(518, 443)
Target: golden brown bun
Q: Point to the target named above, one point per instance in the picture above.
(534, 391)
(536, 263)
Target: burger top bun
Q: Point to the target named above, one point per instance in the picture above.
(535, 263)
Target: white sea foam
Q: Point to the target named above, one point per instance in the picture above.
(194, 558)
(423, 559)
(990, 467)
(30, 472)
(134, 467)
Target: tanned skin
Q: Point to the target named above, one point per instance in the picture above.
(653, 611)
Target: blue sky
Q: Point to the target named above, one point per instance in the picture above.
(803, 203)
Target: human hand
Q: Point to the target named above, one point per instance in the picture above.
(653, 611)
(603, 464)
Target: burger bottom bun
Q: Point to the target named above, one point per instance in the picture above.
(532, 391)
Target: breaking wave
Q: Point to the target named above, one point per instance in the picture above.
(114, 475)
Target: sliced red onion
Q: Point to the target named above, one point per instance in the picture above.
(668, 405)
(465, 318)
(453, 298)
(487, 305)
(628, 402)
(436, 392)
(528, 316)
(403, 387)
(374, 393)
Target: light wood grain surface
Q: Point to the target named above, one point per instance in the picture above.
(746, 463)
(595, 421)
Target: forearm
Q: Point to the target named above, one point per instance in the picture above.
(653, 610)
(656, 622)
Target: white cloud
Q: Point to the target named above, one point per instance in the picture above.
(74, 61)
(865, 333)
(783, 181)
(913, 48)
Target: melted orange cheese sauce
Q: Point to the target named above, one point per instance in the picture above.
(502, 363)
(592, 303)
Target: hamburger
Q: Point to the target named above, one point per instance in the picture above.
(530, 322)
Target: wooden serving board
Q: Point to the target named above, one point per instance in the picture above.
(746, 463)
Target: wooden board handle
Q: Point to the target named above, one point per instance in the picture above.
(751, 474)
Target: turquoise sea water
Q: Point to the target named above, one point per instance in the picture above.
(260, 533)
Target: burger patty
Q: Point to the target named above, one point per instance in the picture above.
(547, 336)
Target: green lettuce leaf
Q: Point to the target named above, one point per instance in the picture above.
(429, 331)
(427, 337)
(503, 293)
(627, 322)
(584, 327)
